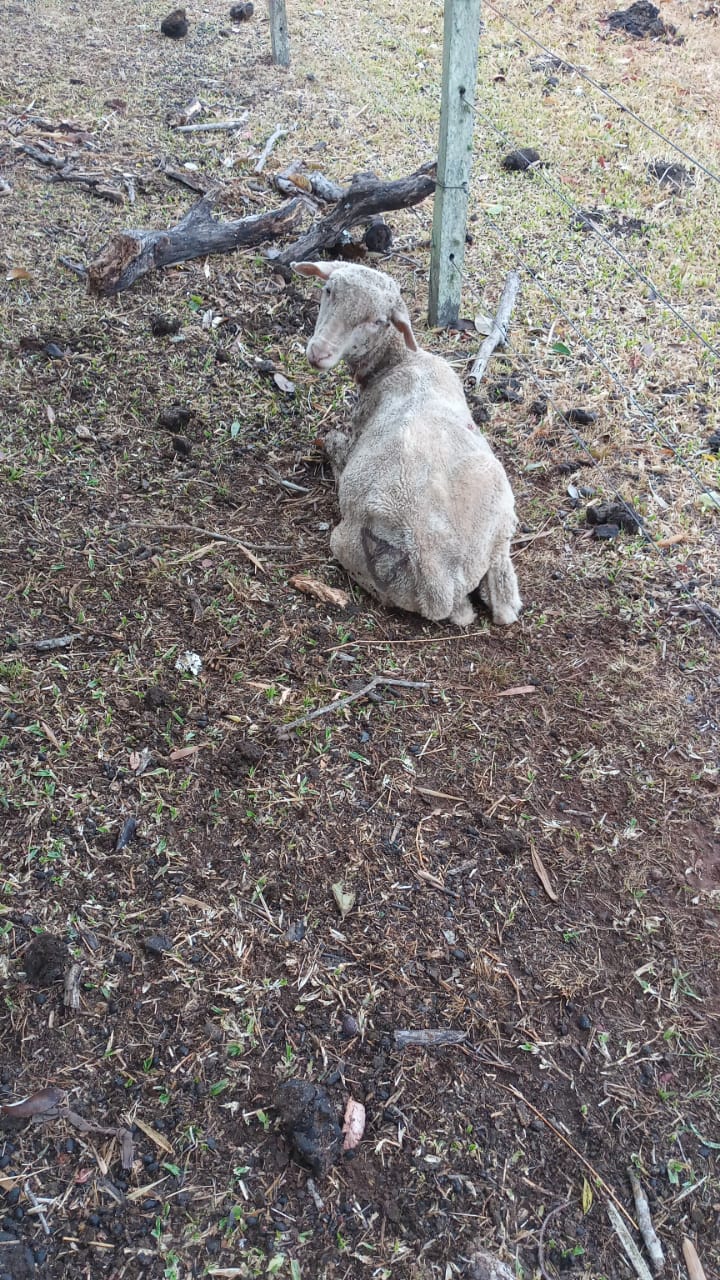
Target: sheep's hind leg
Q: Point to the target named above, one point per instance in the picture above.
(463, 613)
(499, 590)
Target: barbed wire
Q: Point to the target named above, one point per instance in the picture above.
(586, 220)
(580, 71)
(600, 359)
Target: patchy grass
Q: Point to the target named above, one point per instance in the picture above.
(591, 1017)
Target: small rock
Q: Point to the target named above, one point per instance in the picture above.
(584, 1022)
(485, 1266)
(613, 513)
(606, 532)
(673, 176)
(126, 834)
(641, 19)
(242, 12)
(161, 326)
(45, 960)
(157, 944)
(175, 418)
(310, 1124)
(378, 237)
(296, 931)
(53, 351)
(518, 161)
(581, 417)
(349, 1027)
(175, 25)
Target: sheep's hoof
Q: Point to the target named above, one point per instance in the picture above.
(504, 616)
(463, 616)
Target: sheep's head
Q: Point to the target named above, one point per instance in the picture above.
(358, 305)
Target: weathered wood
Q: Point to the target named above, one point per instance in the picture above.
(461, 38)
(498, 334)
(279, 37)
(364, 197)
(131, 254)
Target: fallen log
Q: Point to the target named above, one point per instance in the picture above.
(365, 197)
(131, 254)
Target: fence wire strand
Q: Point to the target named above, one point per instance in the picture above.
(580, 71)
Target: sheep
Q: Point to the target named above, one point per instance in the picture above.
(427, 509)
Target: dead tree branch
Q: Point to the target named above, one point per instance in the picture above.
(131, 254)
(352, 697)
(365, 197)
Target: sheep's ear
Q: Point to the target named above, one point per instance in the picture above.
(400, 318)
(321, 269)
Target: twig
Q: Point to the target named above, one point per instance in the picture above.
(48, 646)
(71, 994)
(692, 1262)
(286, 484)
(37, 1207)
(319, 1202)
(264, 156)
(510, 1088)
(647, 1230)
(498, 334)
(633, 1253)
(213, 126)
(352, 697)
(76, 267)
(214, 536)
(428, 1039)
(541, 1238)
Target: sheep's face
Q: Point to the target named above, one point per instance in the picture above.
(357, 307)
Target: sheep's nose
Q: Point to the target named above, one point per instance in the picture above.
(317, 351)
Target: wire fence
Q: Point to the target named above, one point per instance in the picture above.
(641, 418)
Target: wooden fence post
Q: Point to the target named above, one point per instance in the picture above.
(461, 39)
(279, 33)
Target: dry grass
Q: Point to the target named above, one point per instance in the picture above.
(431, 805)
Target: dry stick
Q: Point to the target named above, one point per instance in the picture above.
(351, 697)
(403, 1039)
(37, 1207)
(264, 156)
(692, 1262)
(213, 126)
(598, 1177)
(647, 1230)
(498, 334)
(71, 994)
(216, 537)
(628, 1244)
(541, 1238)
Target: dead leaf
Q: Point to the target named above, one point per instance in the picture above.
(83, 433)
(284, 384)
(18, 273)
(345, 898)
(152, 1134)
(518, 690)
(49, 735)
(182, 753)
(139, 760)
(50, 413)
(36, 1104)
(543, 875)
(353, 1125)
(127, 1148)
(320, 590)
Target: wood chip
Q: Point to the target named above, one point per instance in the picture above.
(517, 691)
(353, 1125)
(428, 1039)
(692, 1262)
(320, 590)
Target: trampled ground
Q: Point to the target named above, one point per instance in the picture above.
(529, 842)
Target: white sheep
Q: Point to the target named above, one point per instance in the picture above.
(427, 510)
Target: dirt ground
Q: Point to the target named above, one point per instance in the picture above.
(523, 850)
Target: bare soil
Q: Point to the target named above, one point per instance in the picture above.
(525, 850)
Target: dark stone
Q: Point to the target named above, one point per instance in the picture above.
(584, 1022)
(613, 513)
(310, 1124)
(676, 177)
(53, 351)
(606, 532)
(161, 326)
(378, 237)
(157, 944)
(175, 25)
(175, 418)
(641, 19)
(518, 161)
(45, 960)
(126, 834)
(713, 442)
